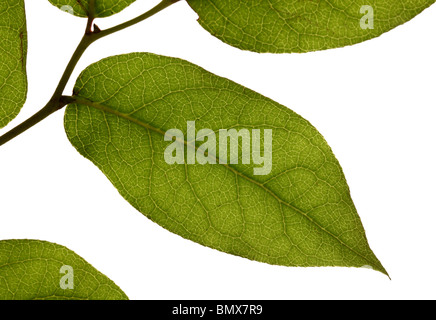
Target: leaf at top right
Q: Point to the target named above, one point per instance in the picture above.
(285, 26)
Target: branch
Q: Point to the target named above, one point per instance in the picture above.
(57, 102)
(161, 6)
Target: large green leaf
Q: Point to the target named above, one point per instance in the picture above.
(13, 54)
(299, 214)
(39, 270)
(279, 26)
(103, 8)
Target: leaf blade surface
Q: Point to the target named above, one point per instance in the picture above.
(284, 26)
(300, 214)
(33, 270)
(13, 55)
(103, 8)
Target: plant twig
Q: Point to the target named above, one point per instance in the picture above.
(91, 16)
(161, 6)
(56, 102)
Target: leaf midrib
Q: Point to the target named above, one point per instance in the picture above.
(102, 107)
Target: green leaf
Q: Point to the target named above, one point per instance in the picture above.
(280, 26)
(13, 54)
(299, 214)
(39, 270)
(103, 8)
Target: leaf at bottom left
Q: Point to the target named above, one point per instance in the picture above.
(40, 270)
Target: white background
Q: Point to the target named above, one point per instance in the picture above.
(375, 103)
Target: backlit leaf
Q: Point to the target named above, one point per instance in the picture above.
(13, 54)
(280, 26)
(298, 213)
(103, 8)
(39, 270)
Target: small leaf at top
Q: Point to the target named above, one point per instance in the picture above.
(13, 54)
(40, 270)
(280, 26)
(284, 200)
(103, 8)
